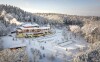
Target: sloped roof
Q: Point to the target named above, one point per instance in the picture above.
(35, 28)
(19, 45)
(29, 24)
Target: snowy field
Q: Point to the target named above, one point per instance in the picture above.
(53, 46)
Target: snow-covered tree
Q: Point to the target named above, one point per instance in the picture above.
(36, 55)
(1, 44)
(3, 13)
(65, 34)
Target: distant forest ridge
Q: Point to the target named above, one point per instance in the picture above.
(52, 18)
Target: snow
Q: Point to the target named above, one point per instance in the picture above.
(12, 21)
(30, 24)
(75, 28)
(53, 44)
(17, 45)
(3, 13)
(9, 18)
(89, 28)
(35, 28)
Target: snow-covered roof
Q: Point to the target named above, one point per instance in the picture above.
(18, 45)
(35, 28)
(29, 24)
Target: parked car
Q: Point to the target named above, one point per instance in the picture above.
(28, 36)
(13, 32)
(10, 35)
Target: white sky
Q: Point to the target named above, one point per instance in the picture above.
(73, 7)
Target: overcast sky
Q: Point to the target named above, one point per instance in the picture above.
(72, 7)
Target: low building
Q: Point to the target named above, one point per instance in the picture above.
(32, 30)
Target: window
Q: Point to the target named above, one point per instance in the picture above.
(38, 30)
(27, 30)
(33, 30)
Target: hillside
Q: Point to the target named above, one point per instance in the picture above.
(71, 33)
(91, 55)
(42, 18)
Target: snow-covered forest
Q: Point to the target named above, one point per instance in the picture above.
(71, 34)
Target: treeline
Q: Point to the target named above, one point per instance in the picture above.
(44, 18)
(8, 12)
(68, 19)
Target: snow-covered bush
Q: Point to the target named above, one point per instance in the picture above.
(75, 28)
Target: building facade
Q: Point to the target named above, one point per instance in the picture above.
(32, 30)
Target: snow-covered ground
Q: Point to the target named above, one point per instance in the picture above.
(53, 44)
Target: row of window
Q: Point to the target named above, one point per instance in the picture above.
(37, 30)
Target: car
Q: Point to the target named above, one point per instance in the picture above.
(13, 32)
(10, 35)
(28, 36)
